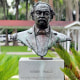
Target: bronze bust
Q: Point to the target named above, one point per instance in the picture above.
(41, 37)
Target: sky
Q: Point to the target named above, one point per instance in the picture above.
(9, 2)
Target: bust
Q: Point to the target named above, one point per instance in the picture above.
(41, 37)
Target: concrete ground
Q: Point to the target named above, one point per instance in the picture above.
(20, 53)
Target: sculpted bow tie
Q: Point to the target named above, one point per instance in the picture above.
(42, 32)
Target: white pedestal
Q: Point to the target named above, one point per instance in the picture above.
(41, 69)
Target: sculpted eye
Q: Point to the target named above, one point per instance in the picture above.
(38, 12)
(46, 13)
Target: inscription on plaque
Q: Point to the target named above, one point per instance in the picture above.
(36, 78)
(36, 71)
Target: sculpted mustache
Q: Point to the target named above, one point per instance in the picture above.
(42, 20)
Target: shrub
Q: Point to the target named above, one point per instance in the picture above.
(72, 62)
(8, 66)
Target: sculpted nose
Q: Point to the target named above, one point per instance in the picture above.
(42, 15)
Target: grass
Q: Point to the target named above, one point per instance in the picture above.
(5, 49)
(13, 79)
(14, 49)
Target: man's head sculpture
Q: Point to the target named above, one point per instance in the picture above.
(42, 14)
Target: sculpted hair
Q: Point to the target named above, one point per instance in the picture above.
(51, 11)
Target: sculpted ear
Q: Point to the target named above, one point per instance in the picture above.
(52, 14)
(32, 14)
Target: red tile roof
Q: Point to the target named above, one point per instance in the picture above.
(16, 23)
(60, 23)
(27, 23)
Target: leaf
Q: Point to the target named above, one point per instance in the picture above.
(69, 73)
(63, 54)
(76, 56)
(9, 66)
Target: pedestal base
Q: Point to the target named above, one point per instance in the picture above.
(41, 69)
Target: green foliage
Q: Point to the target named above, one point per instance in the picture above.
(72, 45)
(13, 79)
(11, 17)
(63, 54)
(8, 66)
(76, 56)
(72, 62)
(61, 2)
(23, 7)
(69, 73)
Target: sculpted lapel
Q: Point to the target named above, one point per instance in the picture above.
(31, 39)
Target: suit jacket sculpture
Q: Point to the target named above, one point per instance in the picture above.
(41, 37)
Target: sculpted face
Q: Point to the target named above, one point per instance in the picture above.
(42, 16)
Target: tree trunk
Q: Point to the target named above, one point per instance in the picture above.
(58, 13)
(67, 16)
(4, 11)
(7, 9)
(77, 9)
(4, 5)
(14, 41)
(35, 1)
(17, 13)
(47, 1)
(6, 43)
(26, 9)
(68, 10)
(51, 4)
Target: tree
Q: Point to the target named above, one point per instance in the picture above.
(17, 14)
(58, 9)
(4, 5)
(69, 10)
(51, 3)
(77, 9)
(17, 11)
(3, 2)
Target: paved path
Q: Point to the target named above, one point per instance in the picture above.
(27, 53)
(20, 53)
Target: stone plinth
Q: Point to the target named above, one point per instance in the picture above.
(41, 69)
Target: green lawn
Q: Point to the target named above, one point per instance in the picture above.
(13, 79)
(14, 49)
(5, 49)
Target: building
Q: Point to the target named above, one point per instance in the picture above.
(70, 28)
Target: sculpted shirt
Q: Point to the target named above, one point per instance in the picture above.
(40, 41)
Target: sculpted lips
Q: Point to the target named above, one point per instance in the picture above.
(42, 20)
